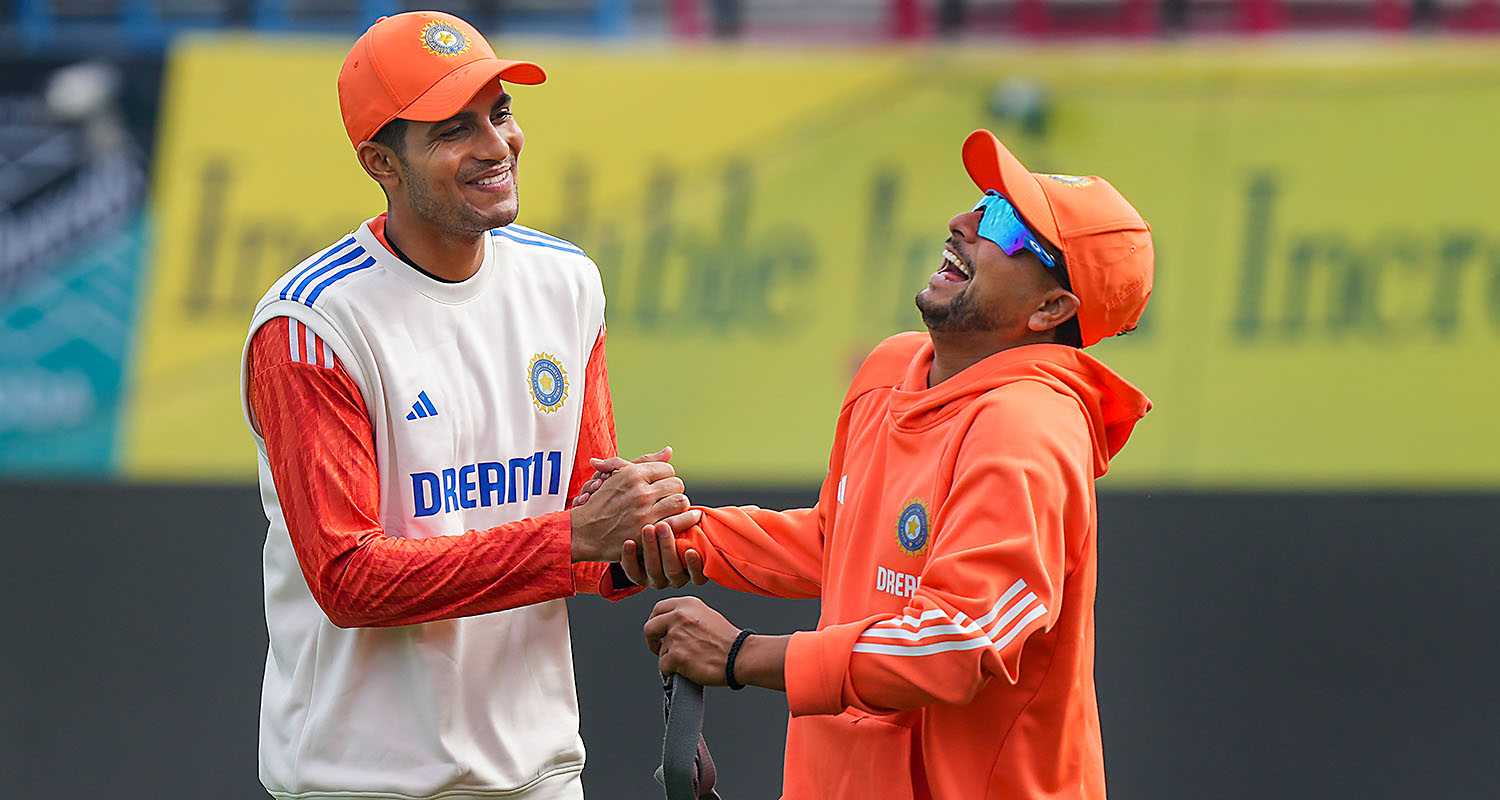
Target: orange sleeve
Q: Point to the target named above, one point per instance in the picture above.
(994, 576)
(750, 549)
(596, 439)
(321, 450)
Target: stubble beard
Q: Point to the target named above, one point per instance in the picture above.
(960, 315)
(457, 219)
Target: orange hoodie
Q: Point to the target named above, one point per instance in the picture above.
(955, 531)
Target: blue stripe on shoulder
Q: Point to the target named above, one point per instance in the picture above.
(286, 291)
(566, 248)
(536, 234)
(336, 277)
(298, 291)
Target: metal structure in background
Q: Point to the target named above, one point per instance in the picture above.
(52, 26)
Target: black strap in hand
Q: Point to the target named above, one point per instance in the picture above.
(687, 768)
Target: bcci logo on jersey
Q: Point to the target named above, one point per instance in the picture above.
(548, 381)
(911, 528)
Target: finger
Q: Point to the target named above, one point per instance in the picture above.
(664, 487)
(630, 561)
(667, 506)
(653, 471)
(683, 522)
(695, 567)
(671, 564)
(655, 629)
(608, 465)
(652, 555)
(667, 605)
(664, 455)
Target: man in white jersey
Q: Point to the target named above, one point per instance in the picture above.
(426, 394)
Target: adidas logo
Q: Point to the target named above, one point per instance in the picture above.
(423, 408)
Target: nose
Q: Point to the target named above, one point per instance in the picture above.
(965, 226)
(495, 145)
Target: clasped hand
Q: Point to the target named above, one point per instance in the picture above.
(632, 511)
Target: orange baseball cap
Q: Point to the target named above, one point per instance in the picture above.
(1104, 241)
(423, 66)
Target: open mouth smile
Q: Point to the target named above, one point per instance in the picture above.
(953, 270)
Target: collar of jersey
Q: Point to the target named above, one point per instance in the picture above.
(440, 291)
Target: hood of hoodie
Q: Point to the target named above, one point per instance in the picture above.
(1110, 403)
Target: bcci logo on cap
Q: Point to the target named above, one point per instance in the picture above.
(549, 383)
(442, 39)
(911, 528)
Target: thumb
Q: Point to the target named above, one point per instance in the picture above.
(608, 465)
(664, 454)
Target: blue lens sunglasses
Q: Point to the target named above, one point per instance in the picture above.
(1003, 226)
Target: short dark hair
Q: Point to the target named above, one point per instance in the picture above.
(1068, 333)
(393, 135)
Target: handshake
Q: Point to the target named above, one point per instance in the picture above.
(631, 512)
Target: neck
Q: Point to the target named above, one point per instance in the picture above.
(955, 352)
(452, 257)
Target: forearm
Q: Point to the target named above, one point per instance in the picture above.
(381, 581)
(750, 549)
(761, 662)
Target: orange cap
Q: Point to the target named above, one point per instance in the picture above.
(424, 66)
(1104, 241)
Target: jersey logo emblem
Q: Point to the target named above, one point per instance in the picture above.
(423, 408)
(911, 527)
(548, 381)
(442, 39)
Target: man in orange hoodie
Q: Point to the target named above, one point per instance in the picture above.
(955, 531)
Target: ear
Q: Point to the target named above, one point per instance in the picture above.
(1058, 306)
(381, 163)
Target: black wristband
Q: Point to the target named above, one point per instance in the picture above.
(734, 650)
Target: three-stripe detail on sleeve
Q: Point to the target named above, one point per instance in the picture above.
(335, 264)
(306, 347)
(1012, 614)
(535, 238)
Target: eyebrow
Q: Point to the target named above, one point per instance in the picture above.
(466, 116)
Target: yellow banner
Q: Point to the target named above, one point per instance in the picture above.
(1327, 310)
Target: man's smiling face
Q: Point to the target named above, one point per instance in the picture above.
(978, 288)
(460, 174)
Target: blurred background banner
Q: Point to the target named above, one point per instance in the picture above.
(1328, 287)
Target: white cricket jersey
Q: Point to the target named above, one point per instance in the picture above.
(474, 392)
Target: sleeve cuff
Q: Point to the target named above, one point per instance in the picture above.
(696, 538)
(615, 585)
(816, 664)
